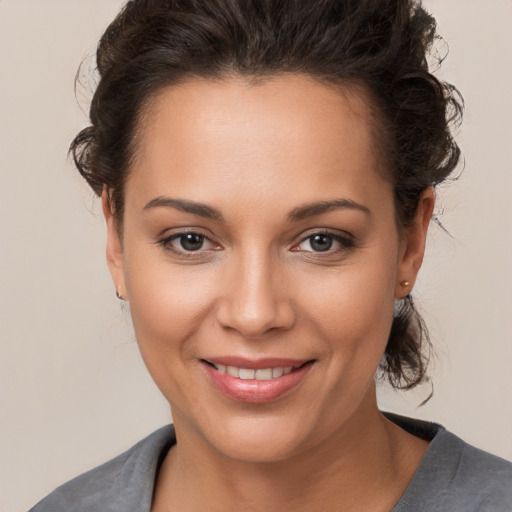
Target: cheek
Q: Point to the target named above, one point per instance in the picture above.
(168, 306)
(353, 309)
(168, 302)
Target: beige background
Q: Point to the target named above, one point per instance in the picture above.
(73, 389)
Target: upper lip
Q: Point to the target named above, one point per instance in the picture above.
(256, 364)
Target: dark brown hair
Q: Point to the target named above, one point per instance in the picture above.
(381, 45)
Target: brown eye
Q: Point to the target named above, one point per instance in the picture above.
(191, 241)
(189, 244)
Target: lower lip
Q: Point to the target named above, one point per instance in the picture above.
(255, 391)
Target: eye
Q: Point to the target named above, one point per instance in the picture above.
(324, 242)
(189, 242)
(320, 242)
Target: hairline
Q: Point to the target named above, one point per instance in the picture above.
(362, 101)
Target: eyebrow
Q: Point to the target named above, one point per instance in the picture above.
(299, 213)
(203, 210)
(312, 209)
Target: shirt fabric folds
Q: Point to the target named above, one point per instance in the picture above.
(452, 477)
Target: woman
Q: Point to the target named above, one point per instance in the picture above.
(267, 174)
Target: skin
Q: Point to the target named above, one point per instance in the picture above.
(257, 288)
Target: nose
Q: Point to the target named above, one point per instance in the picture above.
(256, 298)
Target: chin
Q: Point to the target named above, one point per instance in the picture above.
(253, 439)
(261, 447)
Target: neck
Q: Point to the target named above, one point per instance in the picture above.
(365, 465)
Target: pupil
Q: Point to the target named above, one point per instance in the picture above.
(321, 243)
(191, 241)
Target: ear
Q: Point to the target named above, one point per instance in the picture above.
(114, 245)
(413, 244)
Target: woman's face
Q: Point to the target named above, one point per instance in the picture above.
(259, 236)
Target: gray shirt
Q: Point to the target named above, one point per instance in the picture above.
(452, 477)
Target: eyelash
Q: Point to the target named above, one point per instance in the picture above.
(167, 245)
(346, 242)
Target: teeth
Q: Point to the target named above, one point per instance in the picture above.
(247, 374)
(233, 371)
(250, 374)
(277, 372)
(264, 374)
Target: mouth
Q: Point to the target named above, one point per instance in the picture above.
(256, 382)
(269, 373)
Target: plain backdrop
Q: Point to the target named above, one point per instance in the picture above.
(74, 391)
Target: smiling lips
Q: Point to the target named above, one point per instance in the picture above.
(255, 382)
(260, 374)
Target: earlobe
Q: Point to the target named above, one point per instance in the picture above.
(413, 250)
(114, 249)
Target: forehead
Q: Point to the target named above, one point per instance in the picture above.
(213, 138)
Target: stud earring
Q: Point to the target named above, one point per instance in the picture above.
(405, 283)
(119, 296)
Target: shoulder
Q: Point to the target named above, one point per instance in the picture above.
(121, 484)
(455, 476)
(473, 477)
